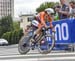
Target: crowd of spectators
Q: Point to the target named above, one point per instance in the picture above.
(72, 9)
(64, 10)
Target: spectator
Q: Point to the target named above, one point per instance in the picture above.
(64, 11)
(56, 16)
(72, 9)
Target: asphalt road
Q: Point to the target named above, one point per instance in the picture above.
(10, 53)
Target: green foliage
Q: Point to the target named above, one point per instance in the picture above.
(45, 5)
(16, 25)
(10, 30)
(6, 24)
(13, 37)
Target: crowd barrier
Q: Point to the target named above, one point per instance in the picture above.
(65, 32)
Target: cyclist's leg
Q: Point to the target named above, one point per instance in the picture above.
(39, 28)
(37, 32)
(52, 28)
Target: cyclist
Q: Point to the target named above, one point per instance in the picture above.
(42, 18)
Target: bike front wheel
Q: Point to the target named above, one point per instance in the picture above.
(45, 46)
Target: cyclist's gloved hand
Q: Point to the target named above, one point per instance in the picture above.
(51, 26)
(46, 26)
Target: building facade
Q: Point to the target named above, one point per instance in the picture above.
(24, 21)
(6, 8)
(69, 0)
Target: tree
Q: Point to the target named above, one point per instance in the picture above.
(13, 37)
(6, 25)
(45, 5)
(16, 25)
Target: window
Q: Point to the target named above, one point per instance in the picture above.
(21, 20)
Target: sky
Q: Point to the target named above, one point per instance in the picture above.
(27, 6)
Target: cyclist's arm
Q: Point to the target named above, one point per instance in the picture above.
(50, 19)
(42, 19)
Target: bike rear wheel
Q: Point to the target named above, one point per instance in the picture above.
(23, 46)
(47, 47)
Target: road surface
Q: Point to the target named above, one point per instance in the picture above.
(10, 53)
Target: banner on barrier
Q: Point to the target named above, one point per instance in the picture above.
(65, 31)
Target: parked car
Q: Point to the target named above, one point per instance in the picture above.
(3, 42)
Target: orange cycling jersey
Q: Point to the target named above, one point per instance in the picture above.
(43, 18)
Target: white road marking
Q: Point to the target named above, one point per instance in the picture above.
(51, 54)
(39, 57)
(44, 59)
